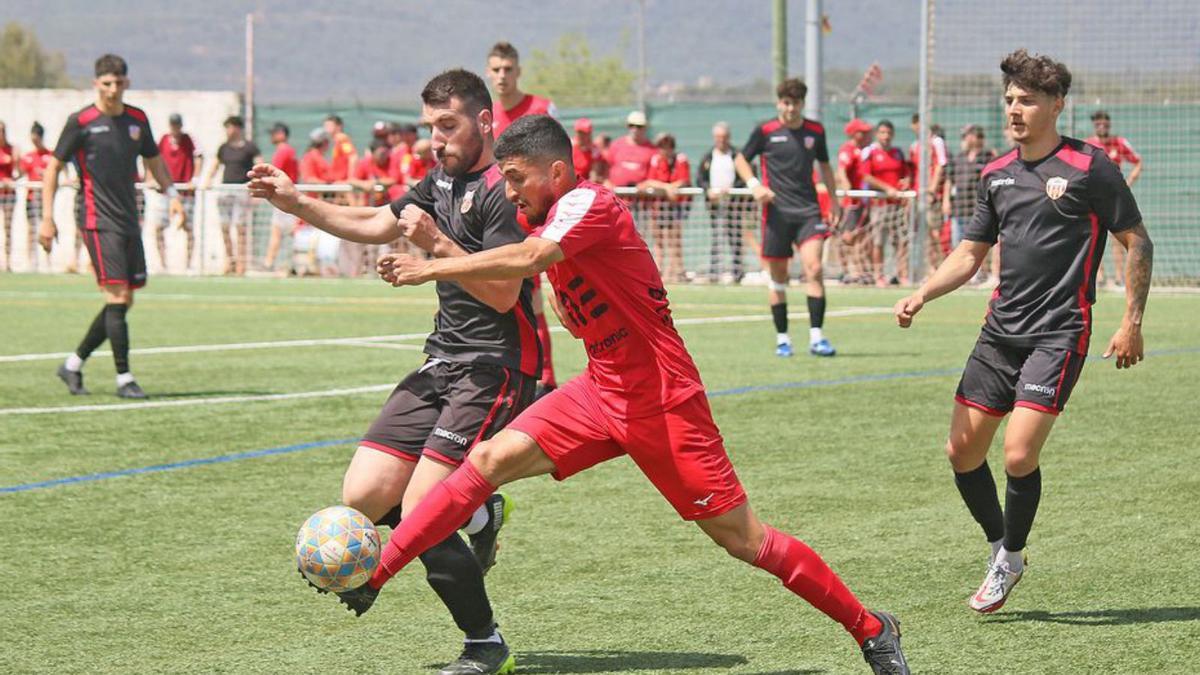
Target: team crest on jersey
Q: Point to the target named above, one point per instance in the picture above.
(467, 200)
(809, 142)
(135, 132)
(1056, 187)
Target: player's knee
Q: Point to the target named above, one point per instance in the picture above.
(959, 452)
(1020, 460)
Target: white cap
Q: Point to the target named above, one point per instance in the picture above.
(637, 118)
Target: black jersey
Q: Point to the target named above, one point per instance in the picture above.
(105, 150)
(787, 164)
(473, 211)
(1050, 216)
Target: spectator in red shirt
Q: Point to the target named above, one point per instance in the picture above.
(510, 103)
(180, 156)
(420, 161)
(344, 152)
(285, 159)
(314, 168)
(1120, 152)
(33, 166)
(854, 251)
(939, 157)
(628, 157)
(371, 175)
(668, 171)
(887, 171)
(9, 171)
(583, 149)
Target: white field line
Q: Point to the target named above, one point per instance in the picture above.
(385, 345)
(212, 400)
(356, 341)
(249, 299)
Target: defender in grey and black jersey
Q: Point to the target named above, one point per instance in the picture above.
(483, 354)
(1052, 201)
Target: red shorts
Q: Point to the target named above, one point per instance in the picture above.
(680, 450)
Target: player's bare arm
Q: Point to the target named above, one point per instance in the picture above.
(514, 261)
(162, 178)
(47, 230)
(835, 206)
(362, 224)
(762, 193)
(958, 268)
(1126, 344)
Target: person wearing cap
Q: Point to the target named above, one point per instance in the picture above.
(629, 156)
(1120, 152)
(510, 103)
(285, 159)
(669, 171)
(237, 155)
(853, 253)
(962, 183)
(181, 156)
(583, 149)
(716, 175)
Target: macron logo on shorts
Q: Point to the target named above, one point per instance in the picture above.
(1040, 389)
(458, 439)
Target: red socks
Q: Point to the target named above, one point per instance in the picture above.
(804, 573)
(543, 333)
(447, 506)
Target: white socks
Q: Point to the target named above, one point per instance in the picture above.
(74, 363)
(495, 637)
(1015, 560)
(815, 335)
(124, 379)
(996, 546)
(782, 339)
(479, 520)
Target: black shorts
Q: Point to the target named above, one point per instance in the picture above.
(998, 377)
(444, 409)
(117, 257)
(780, 232)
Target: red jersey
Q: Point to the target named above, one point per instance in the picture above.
(343, 155)
(614, 300)
(367, 169)
(850, 161)
(415, 168)
(887, 165)
(285, 160)
(662, 170)
(33, 163)
(8, 161)
(1117, 148)
(629, 162)
(179, 156)
(823, 199)
(314, 168)
(937, 151)
(530, 105)
(583, 159)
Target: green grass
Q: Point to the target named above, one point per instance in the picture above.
(190, 570)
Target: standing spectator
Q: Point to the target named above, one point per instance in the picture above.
(669, 170)
(285, 159)
(1120, 152)
(886, 170)
(420, 161)
(344, 153)
(854, 252)
(372, 179)
(629, 156)
(9, 171)
(962, 182)
(33, 166)
(179, 153)
(790, 146)
(600, 168)
(510, 103)
(314, 170)
(933, 190)
(717, 175)
(237, 155)
(583, 149)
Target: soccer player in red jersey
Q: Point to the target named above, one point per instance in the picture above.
(1050, 199)
(510, 104)
(178, 151)
(1120, 152)
(641, 394)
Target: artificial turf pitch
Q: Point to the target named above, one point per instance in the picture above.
(186, 567)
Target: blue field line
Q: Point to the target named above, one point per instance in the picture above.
(300, 447)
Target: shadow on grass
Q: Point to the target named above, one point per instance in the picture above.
(1104, 617)
(618, 661)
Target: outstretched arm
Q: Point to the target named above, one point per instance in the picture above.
(514, 261)
(362, 224)
(1127, 343)
(958, 268)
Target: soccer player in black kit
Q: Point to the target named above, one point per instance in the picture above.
(484, 355)
(104, 141)
(1050, 200)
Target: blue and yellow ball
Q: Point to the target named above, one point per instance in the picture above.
(337, 549)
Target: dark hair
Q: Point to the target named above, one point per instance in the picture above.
(234, 120)
(281, 128)
(937, 130)
(535, 137)
(886, 123)
(1101, 115)
(334, 118)
(379, 143)
(1037, 73)
(504, 50)
(916, 117)
(793, 87)
(461, 84)
(111, 64)
(37, 129)
(407, 128)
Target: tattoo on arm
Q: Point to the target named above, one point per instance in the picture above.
(1138, 267)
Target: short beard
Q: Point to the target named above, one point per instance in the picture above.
(470, 156)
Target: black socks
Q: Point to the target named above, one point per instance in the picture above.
(978, 490)
(779, 314)
(816, 311)
(118, 335)
(96, 334)
(1020, 506)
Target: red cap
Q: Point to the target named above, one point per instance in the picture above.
(583, 124)
(856, 125)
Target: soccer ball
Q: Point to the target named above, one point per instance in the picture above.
(337, 549)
